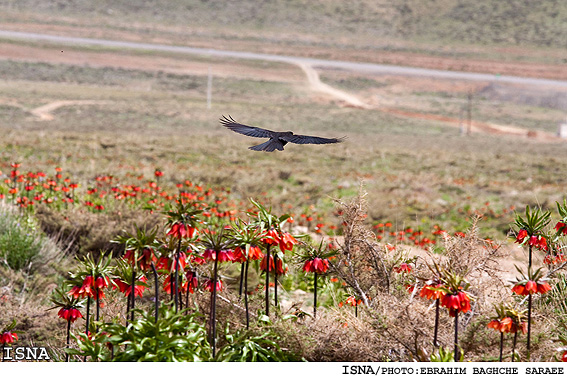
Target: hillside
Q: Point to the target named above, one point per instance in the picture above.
(453, 28)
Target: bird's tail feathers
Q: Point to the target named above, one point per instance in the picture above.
(269, 146)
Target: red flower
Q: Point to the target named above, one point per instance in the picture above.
(403, 268)
(145, 259)
(531, 287)
(222, 256)
(264, 262)
(169, 284)
(428, 292)
(543, 287)
(180, 230)
(193, 281)
(561, 227)
(521, 236)
(279, 269)
(317, 265)
(287, 241)
(254, 253)
(126, 288)
(564, 357)
(209, 285)
(169, 263)
(70, 314)
(8, 337)
(271, 237)
(459, 302)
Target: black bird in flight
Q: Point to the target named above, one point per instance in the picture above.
(277, 139)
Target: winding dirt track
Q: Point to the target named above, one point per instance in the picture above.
(308, 66)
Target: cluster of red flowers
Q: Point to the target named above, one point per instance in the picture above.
(531, 287)
(316, 265)
(456, 302)
(254, 253)
(431, 291)
(8, 337)
(507, 325)
(537, 241)
(126, 288)
(403, 268)
(90, 288)
(408, 235)
(69, 314)
(554, 259)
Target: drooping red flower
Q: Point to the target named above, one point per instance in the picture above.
(316, 265)
(192, 281)
(429, 292)
(180, 230)
(254, 253)
(69, 314)
(169, 284)
(209, 286)
(168, 263)
(126, 288)
(271, 237)
(145, 259)
(564, 356)
(522, 235)
(531, 287)
(264, 263)
(222, 256)
(8, 337)
(279, 269)
(456, 303)
(287, 241)
(403, 268)
(561, 227)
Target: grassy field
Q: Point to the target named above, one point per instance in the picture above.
(96, 112)
(415, 170)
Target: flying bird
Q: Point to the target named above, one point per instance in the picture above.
(278, 139)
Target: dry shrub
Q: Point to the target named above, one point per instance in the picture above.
(397, 324)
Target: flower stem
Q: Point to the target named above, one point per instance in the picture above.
(177, 276)
(436, 330)
(276, 280)
(133, 295)
(68, 341)
(156, 286)
(315, 296)
(529, 323)
(457, 336)
(213, 308)
(268, 280)
(514, 345)
(246, 296)
(529, 301)
(356, 310)
(97, 307)
(241, 280)
(88, 315)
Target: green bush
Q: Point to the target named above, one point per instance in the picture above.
(175, 337)
(20, 243)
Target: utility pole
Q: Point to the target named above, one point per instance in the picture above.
(469, 112)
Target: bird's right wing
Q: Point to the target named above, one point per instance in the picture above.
(307, 139)
(250, 131)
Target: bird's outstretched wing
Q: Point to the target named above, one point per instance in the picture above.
(250, 131)
(306, 139)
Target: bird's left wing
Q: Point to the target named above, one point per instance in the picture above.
(250, 131)
(306, 139)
